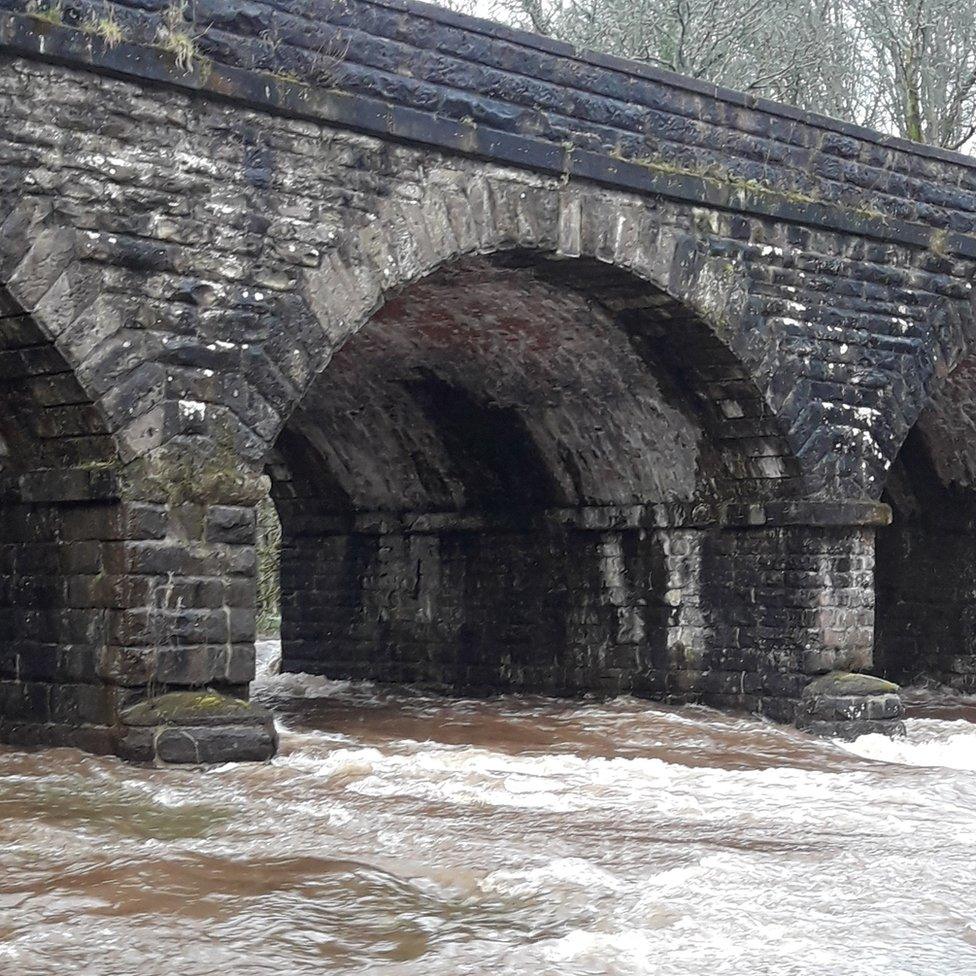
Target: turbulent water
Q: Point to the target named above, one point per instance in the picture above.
(401, 833)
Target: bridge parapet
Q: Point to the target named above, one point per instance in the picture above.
(411, 71)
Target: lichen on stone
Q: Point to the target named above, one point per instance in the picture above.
(187, 708)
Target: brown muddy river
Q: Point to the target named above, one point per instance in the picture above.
(404, 834)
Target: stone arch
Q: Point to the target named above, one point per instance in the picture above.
(625, 236)
(393, 569)
(59, 516)
(932, 339)
(925, 571)
(113, 586)
(57, 275)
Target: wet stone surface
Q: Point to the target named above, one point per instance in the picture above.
(197, 727)
(845, 705)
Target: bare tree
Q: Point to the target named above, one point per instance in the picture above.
(924, 56)
(752, 44)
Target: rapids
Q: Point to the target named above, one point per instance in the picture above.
(401, 833)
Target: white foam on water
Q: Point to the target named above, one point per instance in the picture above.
(464, 777)
(298, 684)
(928, 742)
(556, 874)
(632, 952)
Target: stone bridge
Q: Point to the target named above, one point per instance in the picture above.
(567, 375)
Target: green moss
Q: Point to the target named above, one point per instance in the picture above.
(185, 708)
(718, 177)
(848, 683)
(289, 77)
(938, 242)
(176, 37)
(181, 46)
(712, 174)
(851, 678)
(179, 476)
(50, 11)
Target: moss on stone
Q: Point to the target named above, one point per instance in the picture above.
(938, 242)
(49, 11)
(847, 683)
(105, 25)
(203, 706)
(178, 476)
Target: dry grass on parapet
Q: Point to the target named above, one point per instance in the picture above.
(51, 11)
(105, 25)
(177, 36)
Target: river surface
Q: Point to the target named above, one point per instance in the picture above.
(399, 833)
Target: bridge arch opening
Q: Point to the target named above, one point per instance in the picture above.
(925, 570)
(58, 517)
(512, 477)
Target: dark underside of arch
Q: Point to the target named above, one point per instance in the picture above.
(512, 476)
(925, 562)
(57, 515)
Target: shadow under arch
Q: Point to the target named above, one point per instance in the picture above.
(513, 476)
(925, 561)
(615, 237)
(58, 517)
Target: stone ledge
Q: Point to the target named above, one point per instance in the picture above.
(698, 86)
(595, 518)
(826, 513)
(604, 518)
(847, 731)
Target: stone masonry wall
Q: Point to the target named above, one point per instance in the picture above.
(185, 250)
(102, 599)
(840, 279)
(55, 620)
(926, 593)
(734, 618)
(558, 611)
(786, 603)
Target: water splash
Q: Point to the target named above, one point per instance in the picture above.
(401, 833)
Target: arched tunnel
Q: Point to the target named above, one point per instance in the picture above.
(925, 564)
(507, 479)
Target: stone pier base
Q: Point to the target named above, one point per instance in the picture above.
(842, 705)
(197, 727)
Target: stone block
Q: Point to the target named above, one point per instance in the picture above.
(78, 704)
(230, 525)
(845, 705)
(215, 745)
(192, 664)
(198, 727)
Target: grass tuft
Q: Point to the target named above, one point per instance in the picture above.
(105, 25)
(50, 11)
(176, 36)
